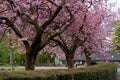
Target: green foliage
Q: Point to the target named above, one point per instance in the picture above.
(104, 71)
(117, 34)
(116, 38)
(44, 59)
(19, 58)
(4, 53)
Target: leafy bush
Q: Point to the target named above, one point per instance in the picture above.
(102, 71)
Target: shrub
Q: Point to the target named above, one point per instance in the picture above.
(102, 71)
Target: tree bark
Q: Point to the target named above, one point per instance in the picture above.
(30, 62)
(48, 61)
(11, 57)
(70, 61)
(88, 60)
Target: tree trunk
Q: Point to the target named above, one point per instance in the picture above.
(11, 57)
(48, 61)
(88, 60)
(30, 62)
(70, 61)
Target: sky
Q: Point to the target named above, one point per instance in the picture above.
(115, 3)
(115, 7)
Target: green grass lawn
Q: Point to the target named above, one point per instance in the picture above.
(22, 68)
(10, 68)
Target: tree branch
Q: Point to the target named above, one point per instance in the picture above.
(15, 29)
(90, 4)
(23, 16)
(77, 43)
(43, 27)
(10, 24)
(52, 2)
(44, 42)
(3, 34)
(63, 47)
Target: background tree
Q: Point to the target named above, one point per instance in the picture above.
(45, 58)
(116, 39)
(86, 34)
(5, 51)
(4, 54)
(19, 59)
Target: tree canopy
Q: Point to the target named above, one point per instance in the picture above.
(36, 23)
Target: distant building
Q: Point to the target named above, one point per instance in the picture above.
(96, 58)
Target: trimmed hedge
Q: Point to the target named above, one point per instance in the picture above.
(102, 71)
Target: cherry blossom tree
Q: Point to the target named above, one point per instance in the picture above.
(86, 34)
(35, 23)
